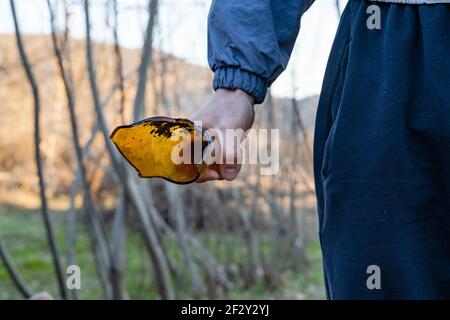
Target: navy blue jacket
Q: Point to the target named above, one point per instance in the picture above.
(250, 42)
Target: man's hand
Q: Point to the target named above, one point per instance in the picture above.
(228, 109)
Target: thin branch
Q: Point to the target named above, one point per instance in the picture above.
(12, 270)
(119, 64)
(101, 246)
(338, 8)
(130, 186)
(118, 238)
(38, 158)
(139, 101)
(70, 227)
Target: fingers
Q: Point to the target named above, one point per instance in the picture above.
(232, 160)
(228, 160)
(229, 172)
(220, 172)
(225, 171)
(214, 172)
(211, 173)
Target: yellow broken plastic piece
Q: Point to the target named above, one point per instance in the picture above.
(149, 146)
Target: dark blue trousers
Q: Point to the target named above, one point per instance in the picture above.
(382, 154)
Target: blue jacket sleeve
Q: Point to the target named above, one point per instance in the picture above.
(250, 42)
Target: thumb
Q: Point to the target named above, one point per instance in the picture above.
(231, 163)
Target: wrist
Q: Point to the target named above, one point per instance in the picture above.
(236, 93)
(237, 78)
(232, 109)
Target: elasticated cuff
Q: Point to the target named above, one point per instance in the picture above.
(235, 78)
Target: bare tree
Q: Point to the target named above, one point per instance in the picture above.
(119, 223)
(118, 249)
(38, 158)
(338, 8)
(139, 100)
(119, 63)
(101, 247)
(131, 188)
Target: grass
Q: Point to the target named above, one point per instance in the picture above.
(23, 233)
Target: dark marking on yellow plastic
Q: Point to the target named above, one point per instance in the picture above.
(147, 145)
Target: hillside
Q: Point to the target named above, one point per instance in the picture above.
(184, 87)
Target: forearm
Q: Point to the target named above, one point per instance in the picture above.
(250, 42)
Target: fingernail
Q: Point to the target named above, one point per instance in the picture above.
(230, 172)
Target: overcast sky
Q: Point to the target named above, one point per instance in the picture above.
(182, 32)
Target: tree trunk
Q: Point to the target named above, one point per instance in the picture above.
(100, 244)
(131, 189)
(139, 101)
(38, 158)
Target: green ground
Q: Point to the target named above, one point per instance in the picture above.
(22, 231)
